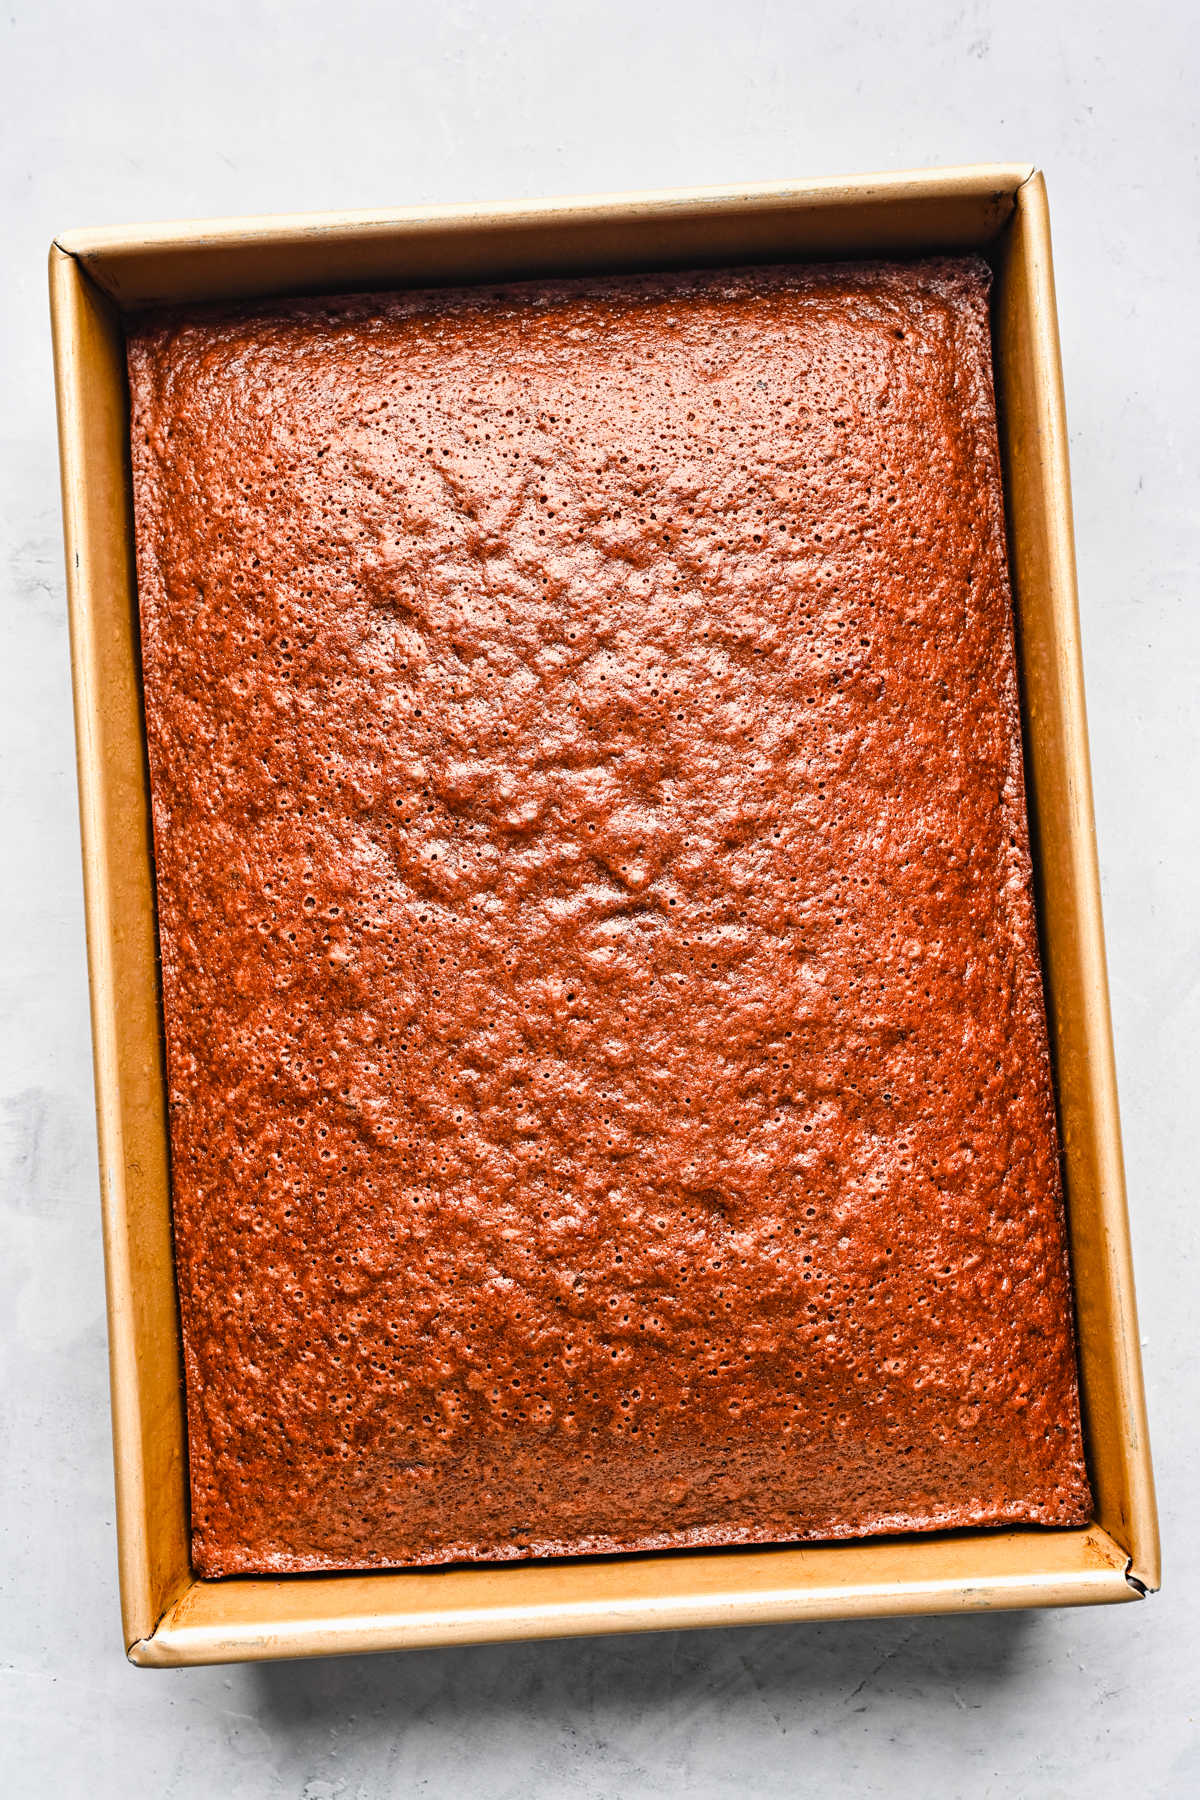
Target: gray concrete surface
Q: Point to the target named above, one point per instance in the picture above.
(141, 111)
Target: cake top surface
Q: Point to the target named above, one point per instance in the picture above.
(610, 1097)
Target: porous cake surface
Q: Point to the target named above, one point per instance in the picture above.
(610, 1101)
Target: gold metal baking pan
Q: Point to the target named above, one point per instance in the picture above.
(170, 1617)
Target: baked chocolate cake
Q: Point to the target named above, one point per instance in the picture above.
(609, 1088)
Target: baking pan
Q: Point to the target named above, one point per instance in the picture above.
(171, 1617)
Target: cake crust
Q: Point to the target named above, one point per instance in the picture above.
(610, 1100)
